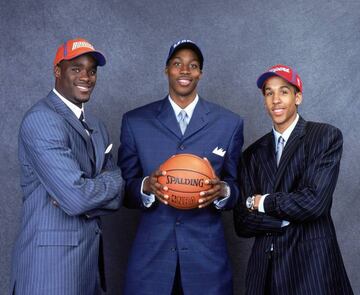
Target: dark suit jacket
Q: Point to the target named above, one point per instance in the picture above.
(65, 189)
(195, 238)
(306, 256)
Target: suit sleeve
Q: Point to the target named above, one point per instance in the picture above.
(47, 147)
(229, 173)
(313, 196)
(129, 162)
(250, 224)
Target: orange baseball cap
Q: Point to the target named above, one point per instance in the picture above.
(76, 47)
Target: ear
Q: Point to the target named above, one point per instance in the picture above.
(57, 71)
(298, 98)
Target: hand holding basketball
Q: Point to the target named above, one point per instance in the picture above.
(188, 182)
(151, 186)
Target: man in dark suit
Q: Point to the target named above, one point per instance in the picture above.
(288, 178)
(68, 179)
(180, 251)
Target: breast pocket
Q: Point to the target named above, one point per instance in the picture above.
(58, 238)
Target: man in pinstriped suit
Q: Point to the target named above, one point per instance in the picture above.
(288, 179)
(68, 180)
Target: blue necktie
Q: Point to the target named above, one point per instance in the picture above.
(279, 149)
(182, 121)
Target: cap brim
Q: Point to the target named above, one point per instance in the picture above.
(100, 58)
(261, 80)
(97, 55)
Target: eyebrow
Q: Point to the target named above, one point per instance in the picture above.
(284, 86)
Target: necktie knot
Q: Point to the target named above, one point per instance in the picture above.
(83, 122)
(182, 116)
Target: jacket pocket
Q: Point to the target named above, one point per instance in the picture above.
(58, 238)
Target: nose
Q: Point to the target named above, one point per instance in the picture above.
(185, 69)
(84, 76)
(276, 98)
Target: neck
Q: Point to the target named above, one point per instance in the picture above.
(183, 101)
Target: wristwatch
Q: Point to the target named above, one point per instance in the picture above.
(250, 201)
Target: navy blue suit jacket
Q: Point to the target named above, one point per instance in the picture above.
(194, 238)
(65, 189)
(306, 255)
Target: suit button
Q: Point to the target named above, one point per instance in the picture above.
(184, 249)
(97, 231)
(268, 234)
(177, 222)
(56, 204)
(173, 249)
(181, 147)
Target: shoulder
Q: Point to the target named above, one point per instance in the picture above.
(220, 110)
(318, 130)
(40, 112)
(252, 149)
(150, 109)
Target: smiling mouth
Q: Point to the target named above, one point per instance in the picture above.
(278, 111)
(84, 88)
(184, 82)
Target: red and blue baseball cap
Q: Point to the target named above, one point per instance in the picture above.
(283, 71)
(76, 47)
(185, 43)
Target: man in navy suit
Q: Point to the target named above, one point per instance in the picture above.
(68, 180)
(288, 178)
(180, 251)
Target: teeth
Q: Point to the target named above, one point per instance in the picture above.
(184, 82)
(83, 88)
(278, 111)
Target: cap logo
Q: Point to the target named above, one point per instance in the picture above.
(80, 44)
(280, 69)
(181, 42)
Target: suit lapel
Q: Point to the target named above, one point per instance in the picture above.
(199, 118)
(290, 147)
(167, 118)
(70, 117)
(266, 157)
(97, 142)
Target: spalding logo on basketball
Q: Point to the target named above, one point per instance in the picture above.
(185, 178)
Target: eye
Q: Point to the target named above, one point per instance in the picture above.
(268, 93)
(284, 91)
(177, 64)
(93, 72)
(76, 70)
(194, 66)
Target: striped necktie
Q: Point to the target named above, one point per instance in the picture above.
(182, 116)
(279, 149)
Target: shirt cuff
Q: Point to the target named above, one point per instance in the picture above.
(221, 202)
(261, 203)
(146, 199)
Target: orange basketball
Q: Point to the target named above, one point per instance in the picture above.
(185, 178)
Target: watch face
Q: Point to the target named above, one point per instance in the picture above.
(249, 202)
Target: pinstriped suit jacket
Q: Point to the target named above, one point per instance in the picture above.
(65, 190)
(165, 236)
(306, 256)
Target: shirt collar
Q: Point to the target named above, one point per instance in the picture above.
(286, 134)
(74, 108)
(189, 109)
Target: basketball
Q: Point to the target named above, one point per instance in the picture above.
(185, 178)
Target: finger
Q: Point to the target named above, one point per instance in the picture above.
(205, 204)
(162, 198)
